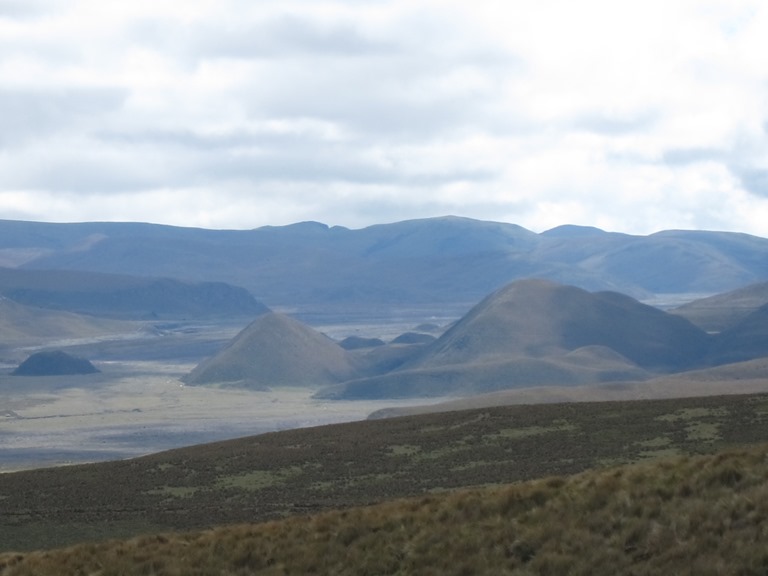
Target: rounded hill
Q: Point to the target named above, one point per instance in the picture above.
(539, 318)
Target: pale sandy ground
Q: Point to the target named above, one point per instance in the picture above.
(136, 408)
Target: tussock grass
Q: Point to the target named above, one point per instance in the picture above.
(688, 515)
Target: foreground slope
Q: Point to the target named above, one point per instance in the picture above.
(703, 515)
(301, 471)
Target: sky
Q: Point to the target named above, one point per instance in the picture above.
(629, 116)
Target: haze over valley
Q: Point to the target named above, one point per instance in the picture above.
(200, 335)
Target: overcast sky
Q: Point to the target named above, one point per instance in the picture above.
(629, 116)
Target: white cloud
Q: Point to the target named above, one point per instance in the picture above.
(628, 116)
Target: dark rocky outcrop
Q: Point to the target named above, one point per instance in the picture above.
(358, 343)
(54, 363)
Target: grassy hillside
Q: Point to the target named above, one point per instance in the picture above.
(700, 515)
(308, 470)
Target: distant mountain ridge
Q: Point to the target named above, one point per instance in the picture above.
(122, 296)
(447, 260)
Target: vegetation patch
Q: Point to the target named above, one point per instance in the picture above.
(657, 442)
(259, 479)
(404, 450)
(703, 431)
(695, 413)
(174, 491)
(524, 432)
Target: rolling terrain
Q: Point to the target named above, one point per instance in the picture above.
(529, 333)
(295, 472)
(174, 319)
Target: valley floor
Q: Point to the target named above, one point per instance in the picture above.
(134, 408)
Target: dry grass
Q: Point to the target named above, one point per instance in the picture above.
(692, 515)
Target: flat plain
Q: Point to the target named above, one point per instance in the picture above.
(137, 404)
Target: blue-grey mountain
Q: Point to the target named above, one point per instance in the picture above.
(445, 261)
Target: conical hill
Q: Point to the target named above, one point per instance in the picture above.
(275, 350)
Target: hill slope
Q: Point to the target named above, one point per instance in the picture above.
(703, 515)
(307, 470)
(535, 318)
(275, 350)
(722, 311)
(20, 325)
(746, 340)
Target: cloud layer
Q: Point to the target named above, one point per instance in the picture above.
(232, 114)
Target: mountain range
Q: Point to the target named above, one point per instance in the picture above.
(580, 322)
(437, 261)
